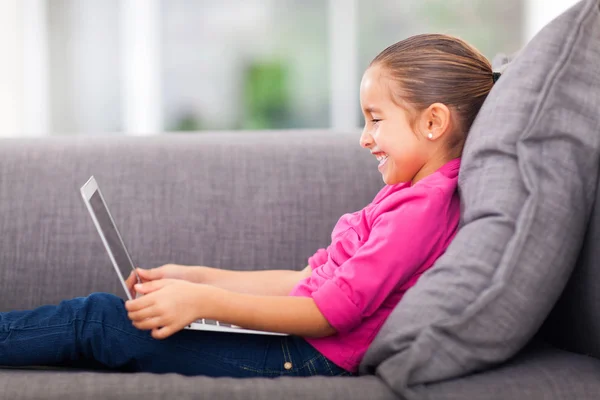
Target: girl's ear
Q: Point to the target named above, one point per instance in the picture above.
(435, 121)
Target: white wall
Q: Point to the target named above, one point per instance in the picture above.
(11, 67)
(343, 63)
(85, 79)
(141, 89)
(36, 100)
(538, 13)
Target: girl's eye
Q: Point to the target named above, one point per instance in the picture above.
(375, 121)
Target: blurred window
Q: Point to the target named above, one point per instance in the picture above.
(245, 64)
(146, 66)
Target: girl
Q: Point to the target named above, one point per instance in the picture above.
(419, 98)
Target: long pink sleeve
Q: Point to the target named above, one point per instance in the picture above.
(400, 243)
(318, 259)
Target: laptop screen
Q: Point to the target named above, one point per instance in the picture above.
(111, 234)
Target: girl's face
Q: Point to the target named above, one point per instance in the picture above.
(401, 152)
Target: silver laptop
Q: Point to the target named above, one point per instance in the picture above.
(121, 260)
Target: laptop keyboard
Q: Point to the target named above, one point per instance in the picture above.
(213, 322)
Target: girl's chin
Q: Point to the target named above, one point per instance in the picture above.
(390, 176)
(390, 179)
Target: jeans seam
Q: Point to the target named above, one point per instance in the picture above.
(328, 366)
(314, 369)
(259, 371)
(25, 328)
(288, 350)
(309, 361)
(283, 353)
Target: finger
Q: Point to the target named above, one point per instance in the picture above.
(142, 314)
(163, 332)
(148, 287)
(131, 280)
(149, 274)
(144, 273)
(140, 303)
(149, 323)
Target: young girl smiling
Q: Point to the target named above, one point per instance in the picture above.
(419, 98)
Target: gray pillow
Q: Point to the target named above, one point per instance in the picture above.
(528, 182)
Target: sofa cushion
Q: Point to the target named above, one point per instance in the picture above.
(539, 372)
(22, 384)
(528, 183)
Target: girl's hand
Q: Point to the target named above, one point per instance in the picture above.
(129, 282)
(167, 271)
(168, 305)
(170, 271)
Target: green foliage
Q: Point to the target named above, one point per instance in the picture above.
(188, 122)
(266, 96)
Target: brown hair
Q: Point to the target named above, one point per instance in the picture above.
(434, 68)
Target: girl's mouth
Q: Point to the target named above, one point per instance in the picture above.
(382, 160)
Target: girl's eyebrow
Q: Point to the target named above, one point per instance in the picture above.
(372, 110)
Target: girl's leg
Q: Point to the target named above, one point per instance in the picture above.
(95, 331)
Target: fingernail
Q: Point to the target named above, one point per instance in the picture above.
(138, 286)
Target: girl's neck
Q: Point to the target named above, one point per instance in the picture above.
(431, 166)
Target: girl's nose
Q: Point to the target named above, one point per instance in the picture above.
(366, 140)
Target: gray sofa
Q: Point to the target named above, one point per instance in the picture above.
(510, 311)
(243, 200)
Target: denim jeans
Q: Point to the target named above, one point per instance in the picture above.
(95, 332)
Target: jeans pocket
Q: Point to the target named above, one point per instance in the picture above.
(332, 369)
(280, 359)
(302, 359)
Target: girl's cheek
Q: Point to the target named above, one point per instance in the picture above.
(375, 132)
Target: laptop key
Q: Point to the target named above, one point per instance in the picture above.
(210, 322)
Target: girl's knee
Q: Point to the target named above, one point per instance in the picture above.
(104, 302)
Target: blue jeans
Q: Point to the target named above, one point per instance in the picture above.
(95, 332)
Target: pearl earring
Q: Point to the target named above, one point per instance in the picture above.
(430, 136)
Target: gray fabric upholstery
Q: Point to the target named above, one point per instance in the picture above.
(539, 373)
(231, 200)
(50, 252)
(528, 182)
(574, 323)
(61, 385)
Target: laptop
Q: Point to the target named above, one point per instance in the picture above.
(119, 256)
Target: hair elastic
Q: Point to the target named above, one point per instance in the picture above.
(496, 76)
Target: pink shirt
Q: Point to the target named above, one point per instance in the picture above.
(376, 254)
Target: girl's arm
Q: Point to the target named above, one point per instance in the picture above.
(286, 314)
(264, 283)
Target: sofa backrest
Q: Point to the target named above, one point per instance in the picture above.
(574, 323)
(238, 200)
